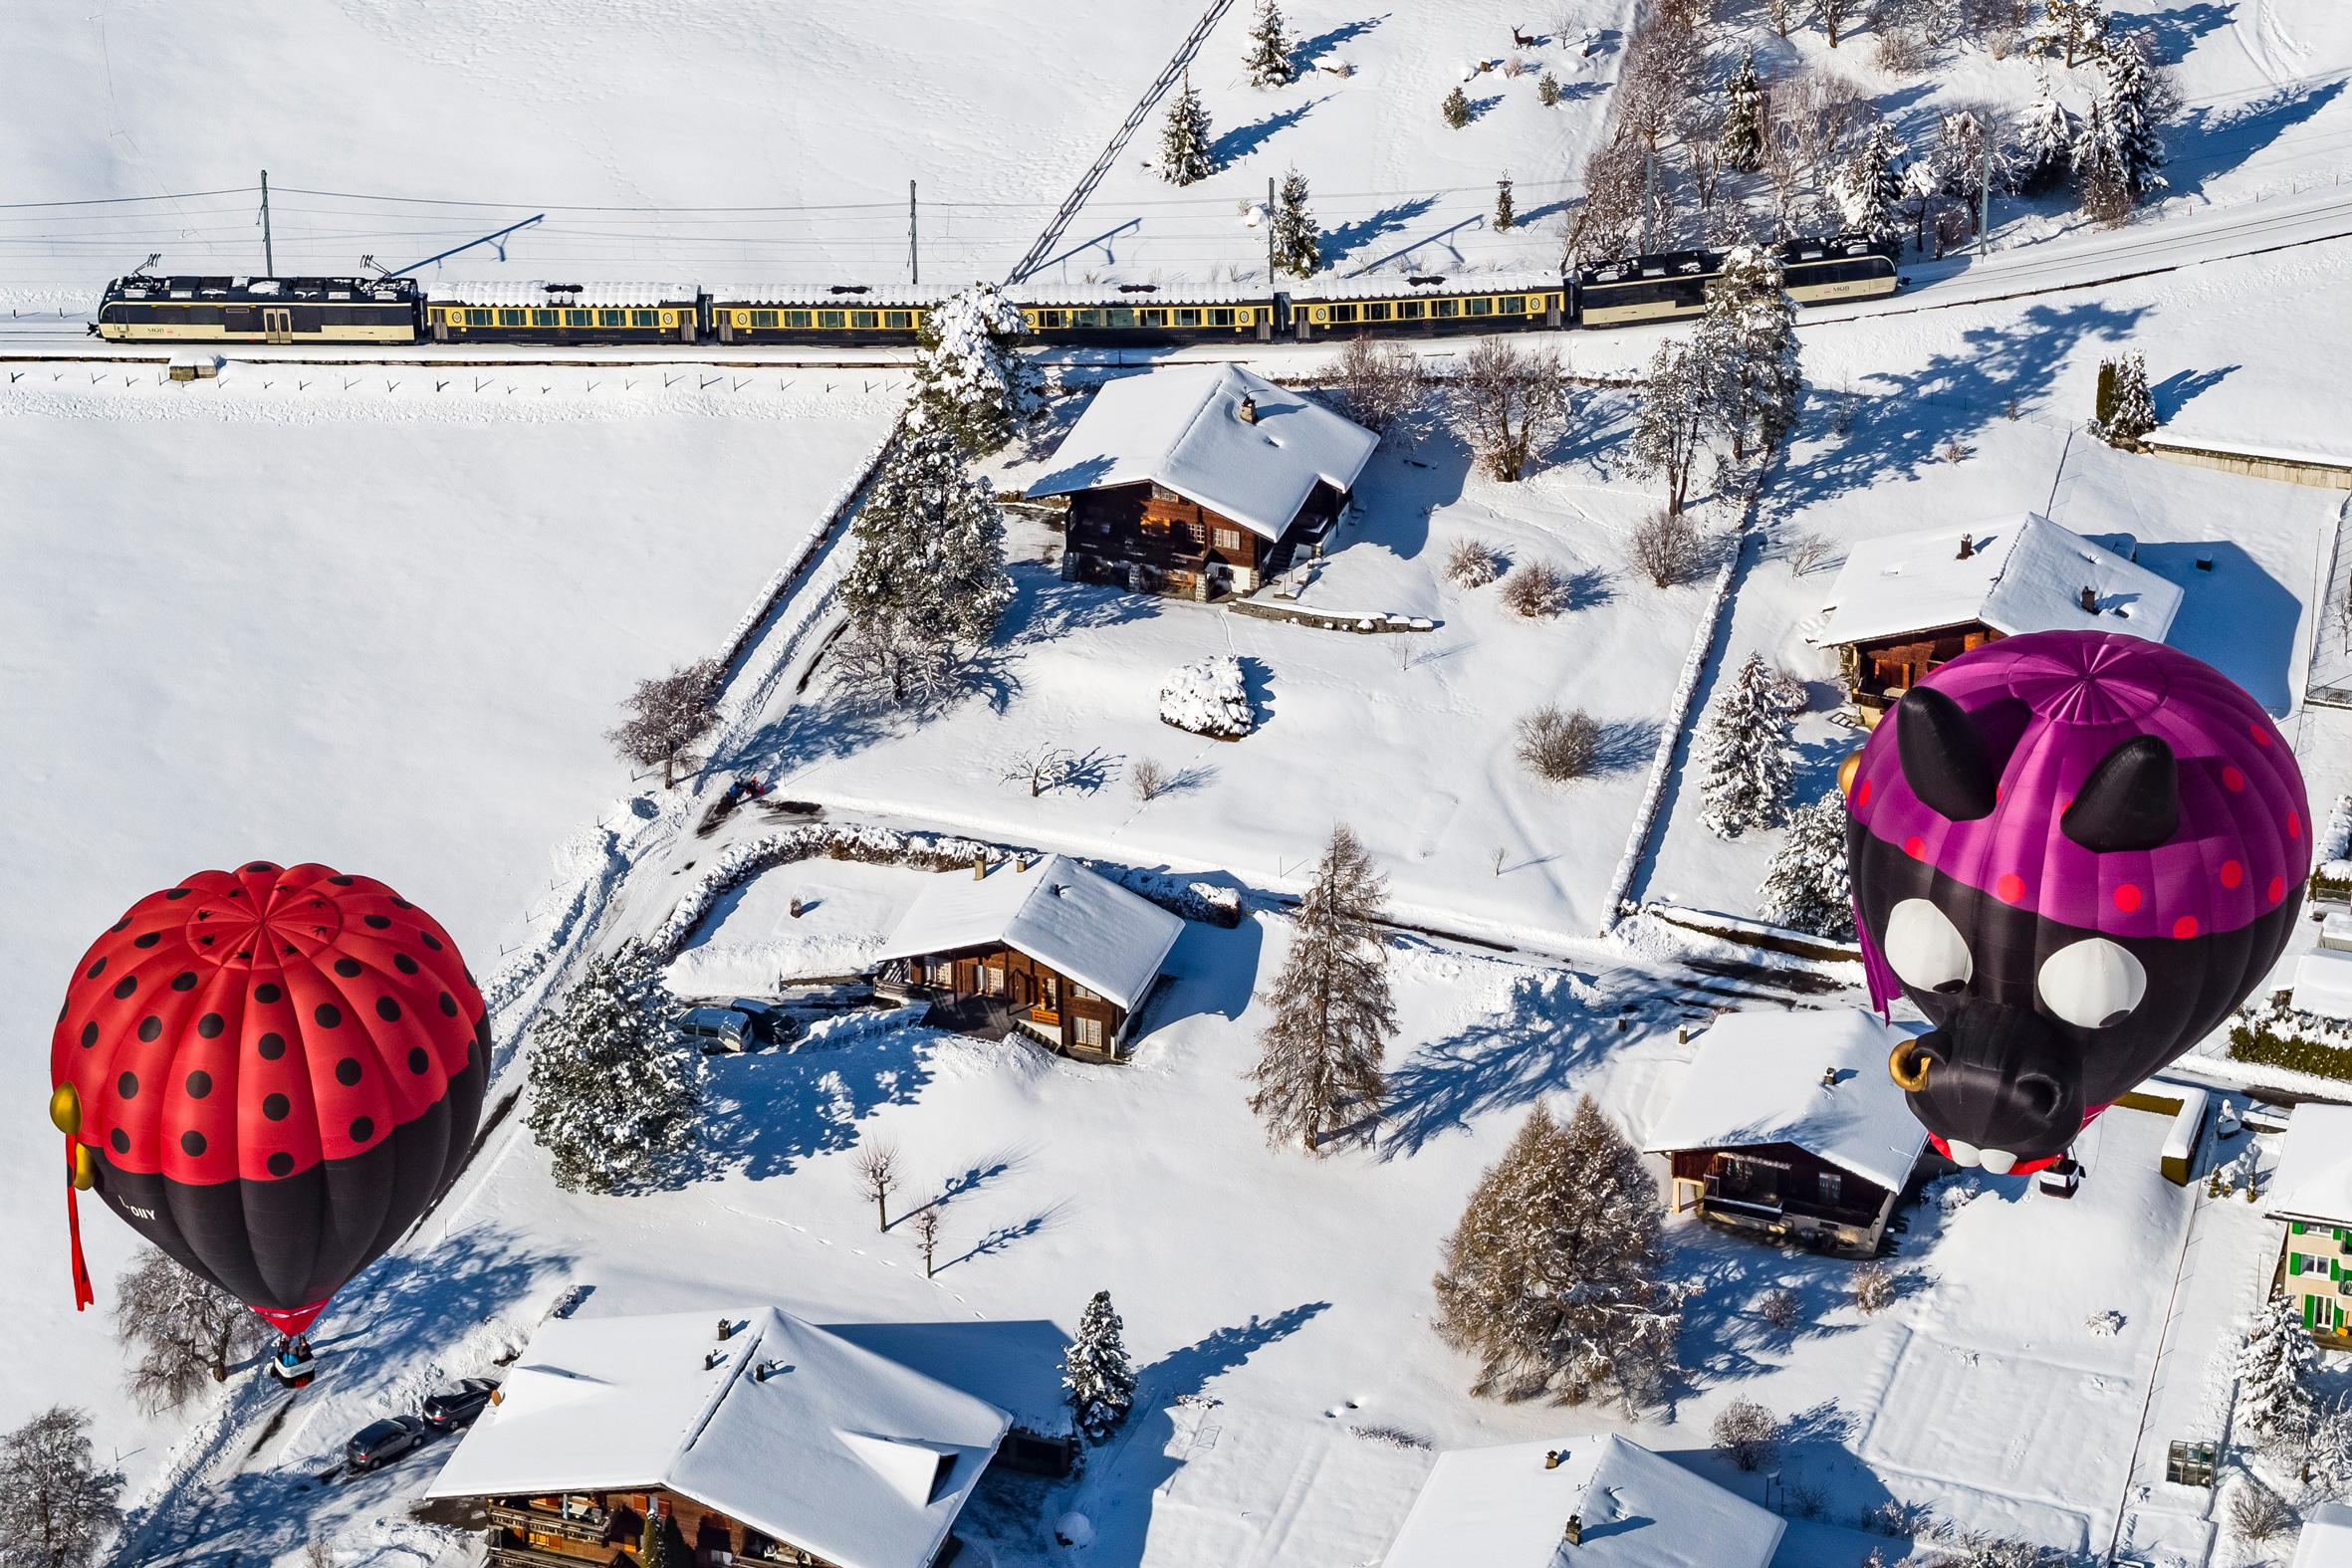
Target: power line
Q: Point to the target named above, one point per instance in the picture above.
(109, 201)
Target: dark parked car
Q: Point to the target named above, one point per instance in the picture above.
(771, 1025)
(455, 1408)
(379, 1443)
(715, 1029)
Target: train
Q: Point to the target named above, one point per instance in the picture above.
(395, 310)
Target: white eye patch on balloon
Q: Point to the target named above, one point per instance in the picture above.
(1926, 947)
(2092, 983)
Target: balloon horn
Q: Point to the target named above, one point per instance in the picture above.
(1908, 1066)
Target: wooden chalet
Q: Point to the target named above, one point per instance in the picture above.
(744, 1439)
(1904, 604)
(1044, 947)
(1790, 1128)
(1199, 481)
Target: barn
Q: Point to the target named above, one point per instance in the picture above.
(1200, 482)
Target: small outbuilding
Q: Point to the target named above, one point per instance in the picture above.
(2326, 1539)
(737, 1436)
(2312, 1193)
(1907, 604)
(1790, 1128)
(1598, 1501)
(1043, 946)
(1199, 481)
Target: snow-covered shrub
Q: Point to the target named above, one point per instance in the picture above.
(1874, 1287)
(1666, 547)
(2107, 1325)
(1456, 109)
(1747, 1434)
(1979, 1550)
(1536, 588)
(1559, 746)
(2125, 409)
(1209, 698)
(2336, 842)
(1783, 1310)
(2256, 1512)
(1473, 564)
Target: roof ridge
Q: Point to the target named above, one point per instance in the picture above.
(754, 1332)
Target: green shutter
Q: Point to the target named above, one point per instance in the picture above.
(2296, 1226)
(2310, 1311)
(2295, 1265)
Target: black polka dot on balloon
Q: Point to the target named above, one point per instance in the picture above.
(340, 882)
(147, 938)
(125, 986)
(118, 925)
(418, 1060)
(127, 1086)
(211, 1025)
(271, 1045)
(186, 980)
(192, 1143)
(400, 903)
(377, 922)
(348, 968)
(95, 970)
(429, 940)
(261, 865)
(448, 1006)
(404, 963)
(121, 1140)
(327, 1015)
(388, 1010)
(346, 1071)
(199, 1085)
(362, 1128)
(267, 992)
(89, 1036)
(177, 892)
(281, 1164)
(276, 1106)
(150, 1029)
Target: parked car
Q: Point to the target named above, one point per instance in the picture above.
(455, 1408)
(716, 1029)
(770, 1023)
(382, 1441)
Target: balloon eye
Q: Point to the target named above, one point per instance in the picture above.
(2092, 983)
(1926, 947)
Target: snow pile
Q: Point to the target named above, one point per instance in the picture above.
(1208, 697)
(2107, 1325)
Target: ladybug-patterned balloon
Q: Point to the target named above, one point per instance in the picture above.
(270, 1074)
(2076, 853)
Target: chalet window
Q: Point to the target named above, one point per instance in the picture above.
(992, 980)
(1228, 539)
(1195, 530)
(1088, 1032)
(1832, 1184)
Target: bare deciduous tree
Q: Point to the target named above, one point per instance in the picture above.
(668, 714)
(895, 664)
(1834, 15)
(1332, 1012)
(1670, 423)
(1558, 745)
(1608, 222)
(1666, 547)
(876, 1170)
(1473, 564)
(1807, 551)
(1747, 1434)
(1147, 778)
(926, 1223)
(2257, 1513)
(56, 1505)
(1042, 767)
(1874, 1287)
(1379, 382)
(182, 1330)
(1511, 399)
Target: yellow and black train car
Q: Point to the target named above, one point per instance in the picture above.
(563, 313)
(140, 308)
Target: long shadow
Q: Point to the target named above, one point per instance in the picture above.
(2175, 31)
(1014, 1364)
(2211, 140)
(1045, 607)
(2177, 390)
(1308, 53)
(1242, 140)
(2235, 616)
(766, 1114)
(1364, 231)
(1545, 1034)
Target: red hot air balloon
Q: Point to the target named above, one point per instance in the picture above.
(270, 1074)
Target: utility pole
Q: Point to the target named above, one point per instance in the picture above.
(1984, 200)
(914, 261)
(1649, 196)
(269, 252)
(1270, 233)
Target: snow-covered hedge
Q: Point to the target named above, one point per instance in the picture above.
(764, 603)
(1208, 697)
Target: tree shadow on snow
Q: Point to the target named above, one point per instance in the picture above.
(2211, 140)
(1045, 606)
(1341, 241)
(766, 1114)
(1545, 1034)
(1242, 140)
(1308, 53)
(2177, 390)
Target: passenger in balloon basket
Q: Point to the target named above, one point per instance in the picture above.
(2076, 853)
(270, 1074)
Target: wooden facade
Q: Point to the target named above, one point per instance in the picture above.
(1786, 1192)
(607, 1530)
(1878, 672)
(1000, 982)
(1146, 537)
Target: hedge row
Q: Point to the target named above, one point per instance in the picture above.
(2259, 1044)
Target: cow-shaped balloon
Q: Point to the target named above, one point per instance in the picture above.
(2076, 853)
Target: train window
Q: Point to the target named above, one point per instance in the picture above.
(643, 318)
(1045, 321)
(475, 318)
(1377, 310)
(1445, 307)
(799, 318)
(832, 319)
(612, 317)
(1512, 305)
(1409, 310)
(1221, 316)
(1119, 316)
(1085, 318)
(513, 318)
(766, 317)
(1152, 317)
(866, 318)
(546, 317)
(1477, 306)
(898, 321)
(1190, 318)
(1343, 313)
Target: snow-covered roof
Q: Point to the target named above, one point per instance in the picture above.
(1758, 1079)
(1501, 1507)
(2314, 1180)
(854, 1457)
(2323, 983)
(896, 297)
(2025, 574)
(2326, 1539)
(1057, 912)
(1400, 286)
(1104, 295)
(506, 291)
(1183, 428)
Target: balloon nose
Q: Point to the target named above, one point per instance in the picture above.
(1997, 1080)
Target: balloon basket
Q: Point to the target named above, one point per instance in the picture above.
(295, 1365)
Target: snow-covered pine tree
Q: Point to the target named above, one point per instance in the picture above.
(1185, 158)
(1297, 243)
(1868, 189)
(1744, 751)
(1670, 421)
(1551, 1277)
(2273, 1401)
(2126, 409)
(1270, 48)
(612, 1095)
(1807, 886)
(2046, 134)
(970, 376)
(1747, 347)
(2327, 1457)
(930, 562)
(1742, 138)
(1332, 1012)
(1096, 1376)
(1456, 108)
(2117, 151)
(1505, 210)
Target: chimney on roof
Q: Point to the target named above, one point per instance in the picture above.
(979, 867)
(1249, 409)
(726, 1332)
(1828, 1077)
(1574, 1533)
(1967, 546)
(1021, 862)
(2090, 600)
(1552, 1458)
(711, 1358)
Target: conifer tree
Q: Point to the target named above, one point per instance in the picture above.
(970, 376)
(1807, 886)
(1547, 91)
(1297, 243)
(2126, 408)
(1185, 158)
(1868, 189)
(1670, 421)
(612, 1095)
(2046, 134)
(1456, 108)
(1506, 210)
(2072, 28)
(653, 1541)
(930, 562)
(1332, 1012)
(1096, 1376)
(1551, 1277)
(2117, 151)
(2273, 1401)
(1742, 136)
(1744, 751)
(1747, 348)
(1268, 63)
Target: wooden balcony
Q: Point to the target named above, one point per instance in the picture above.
(595, 1529)
(506, 1551)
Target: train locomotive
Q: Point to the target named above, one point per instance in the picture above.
(148, 309)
